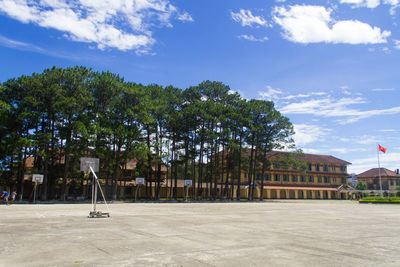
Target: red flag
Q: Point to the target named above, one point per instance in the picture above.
(381, 148)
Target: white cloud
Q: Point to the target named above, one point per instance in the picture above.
(314, 24)
(185, 17)
(271, 93)
(329, 107)
(306, 134)
(120, 24)
(394, 3)
(7, 42)
(303, 95)
(389, 161)
(313, 151)
(246, 18)
(347, 150)
(388, 130)
(362, 3)
(252, 38)
(383, 89)
(397, 44)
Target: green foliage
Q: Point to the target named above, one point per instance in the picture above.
(64, 114)
(378, 199)
(361, 186)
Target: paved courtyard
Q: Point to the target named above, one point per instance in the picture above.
(275, 233)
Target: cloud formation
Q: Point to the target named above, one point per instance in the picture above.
(246, 18)
(362, 3)
(306, 134)
(373, 4)
(271, 93)
(329, 107)
(250, 37)
(314, 24)
(389, 160)
(120, 24)
(397, 44)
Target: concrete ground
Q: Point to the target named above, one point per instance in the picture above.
(274, 233)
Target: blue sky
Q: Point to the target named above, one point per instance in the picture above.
(331, 66)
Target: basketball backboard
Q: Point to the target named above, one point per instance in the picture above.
(93, 162)
(37, 178)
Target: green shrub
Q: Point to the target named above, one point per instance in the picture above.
(378, 199)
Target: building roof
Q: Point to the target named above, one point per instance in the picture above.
(305, 157)
(132, 163)
(374, 173)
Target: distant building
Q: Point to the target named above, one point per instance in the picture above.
(390, 179)
(352, 179)
(323, 178)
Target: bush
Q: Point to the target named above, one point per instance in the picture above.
(378, 199)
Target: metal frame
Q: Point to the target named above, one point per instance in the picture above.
(92, 165)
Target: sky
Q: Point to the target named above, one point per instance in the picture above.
(331, 67)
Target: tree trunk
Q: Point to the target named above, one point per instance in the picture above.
(239, 166)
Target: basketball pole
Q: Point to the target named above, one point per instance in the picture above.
(34, 193)
(97, 184)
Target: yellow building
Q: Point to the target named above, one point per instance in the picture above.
(390, 180)
(323, 178)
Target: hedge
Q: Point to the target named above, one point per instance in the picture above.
(378, 199)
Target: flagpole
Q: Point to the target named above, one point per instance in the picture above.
(379, 171)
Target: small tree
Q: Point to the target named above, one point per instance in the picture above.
(361, 186)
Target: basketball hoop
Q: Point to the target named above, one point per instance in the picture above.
(92, 165)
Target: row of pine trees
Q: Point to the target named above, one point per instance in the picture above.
(69, 113)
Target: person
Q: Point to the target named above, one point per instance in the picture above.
(13, 195)
(4, 196)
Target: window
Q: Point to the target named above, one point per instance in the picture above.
(267, 177)
(309, 167)
(325, 168)
(310, 179)
(317, 167)
(294, 178)
(302, 178)
(343, 168)
(285, 177)
(258, 177)
(344, 181)
(398, 182)
(277, 178)
(319, 179)
(276, 166)
(391, 182)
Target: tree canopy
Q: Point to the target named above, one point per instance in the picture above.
(62, 114)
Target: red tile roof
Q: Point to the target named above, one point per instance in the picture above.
(305, 157)
(374, 172)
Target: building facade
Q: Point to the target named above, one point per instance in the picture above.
(390, 180)
(321, 177)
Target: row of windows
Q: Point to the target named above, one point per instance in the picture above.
(317, 167)
(394, 182)
(325, 168)
(297, 178)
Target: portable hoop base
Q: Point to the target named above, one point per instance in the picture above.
(98, 214)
